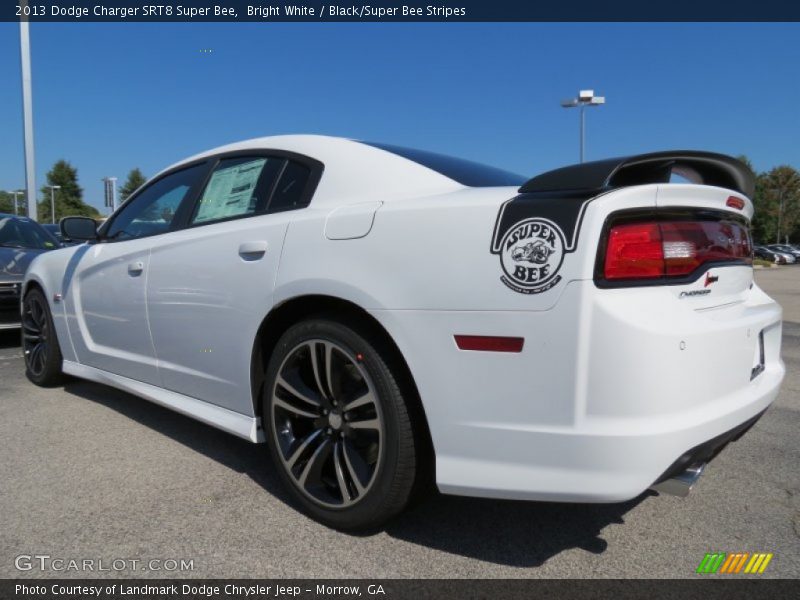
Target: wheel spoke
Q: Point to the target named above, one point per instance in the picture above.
(366, 424)
(291, 408)
(351, 470)
(329, 370)
(37, 358)
(314, 465)
(294, 391)
(363, 400)
(337, 466)
(317, 368)
(292, 460)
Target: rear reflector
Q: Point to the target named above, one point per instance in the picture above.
(735, 202)
(651, 250)
(489, 343)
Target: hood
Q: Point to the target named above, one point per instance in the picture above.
(15, 261)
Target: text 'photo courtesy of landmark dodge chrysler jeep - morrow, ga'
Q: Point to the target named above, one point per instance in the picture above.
(386, 318)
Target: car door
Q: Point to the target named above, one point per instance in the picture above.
(211, 283)
(106, 288)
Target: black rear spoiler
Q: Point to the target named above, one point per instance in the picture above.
(705, 168)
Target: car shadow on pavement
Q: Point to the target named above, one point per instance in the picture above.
(517, 534)
(10, 338)
(505, 532)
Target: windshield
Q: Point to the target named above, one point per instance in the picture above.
(19, 233)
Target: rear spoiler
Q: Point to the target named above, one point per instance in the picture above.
(705, 168)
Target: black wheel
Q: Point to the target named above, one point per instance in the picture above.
(338, 427)
(39, 341)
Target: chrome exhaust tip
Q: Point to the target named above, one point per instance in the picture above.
(681, 484)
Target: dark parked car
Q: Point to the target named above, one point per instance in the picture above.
(765, 253)
(21, 240)
(785, 249)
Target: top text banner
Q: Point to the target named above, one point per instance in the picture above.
(410, 11)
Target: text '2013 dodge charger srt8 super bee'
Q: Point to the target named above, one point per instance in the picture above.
(382, 317)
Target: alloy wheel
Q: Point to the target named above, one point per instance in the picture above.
(35, 334)
(327, 423)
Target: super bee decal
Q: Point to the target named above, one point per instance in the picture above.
(529, 238)
(531, 254)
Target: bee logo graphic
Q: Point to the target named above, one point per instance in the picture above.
(531, 253)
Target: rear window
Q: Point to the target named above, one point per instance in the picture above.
(465, 172)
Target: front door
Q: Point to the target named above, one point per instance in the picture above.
(105, 293)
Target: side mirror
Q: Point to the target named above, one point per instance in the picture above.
(79, 229)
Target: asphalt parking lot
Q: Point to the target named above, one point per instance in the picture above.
(88, 472)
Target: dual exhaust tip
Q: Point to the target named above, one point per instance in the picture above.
(682, 483)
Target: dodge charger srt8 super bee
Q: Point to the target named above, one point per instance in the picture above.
(384, 317)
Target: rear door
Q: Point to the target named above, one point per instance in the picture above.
(105, 292)
(211, 283)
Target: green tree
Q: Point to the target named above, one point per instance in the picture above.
(6, 203)
(777, 205)
(68, 199)
(135, 180)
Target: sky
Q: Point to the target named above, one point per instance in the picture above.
(110, 97)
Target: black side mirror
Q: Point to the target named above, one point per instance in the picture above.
(79, 229)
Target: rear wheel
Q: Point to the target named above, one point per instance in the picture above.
(39, 342)
(338, 427)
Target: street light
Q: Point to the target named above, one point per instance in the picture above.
(585, 98)
(15, 193)
(53, 188)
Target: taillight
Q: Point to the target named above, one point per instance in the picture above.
(657, 249)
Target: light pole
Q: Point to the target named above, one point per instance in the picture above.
(585, 98)
(53, 189)
(15, 193)
(27, 112)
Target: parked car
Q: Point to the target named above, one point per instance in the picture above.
(379, 315)
(765, 253)
(788, 256)
(55, 230)
(786, 249)
(21, 240)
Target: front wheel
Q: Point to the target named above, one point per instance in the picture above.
(338, 426)
(39, 342)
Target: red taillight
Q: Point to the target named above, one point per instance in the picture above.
(634, 251)
(489, 343)
(651, 250)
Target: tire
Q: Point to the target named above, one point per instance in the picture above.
(350, 455)
(39, 341)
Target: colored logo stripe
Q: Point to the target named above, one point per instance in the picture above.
(722, 562)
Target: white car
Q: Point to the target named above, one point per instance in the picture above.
(381, 317)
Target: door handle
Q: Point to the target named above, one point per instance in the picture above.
(252, 250)
(135, 268)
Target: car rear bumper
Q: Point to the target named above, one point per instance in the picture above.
(610, 392)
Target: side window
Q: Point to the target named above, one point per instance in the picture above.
(153, 209)
(288, 194)
(238, 187)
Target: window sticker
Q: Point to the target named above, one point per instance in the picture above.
(230, 191)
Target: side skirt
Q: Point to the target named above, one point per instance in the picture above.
(240, 425)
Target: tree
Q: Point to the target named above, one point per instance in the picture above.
(135, 180)
(6, 203)
(777, 204)
(69, 198)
